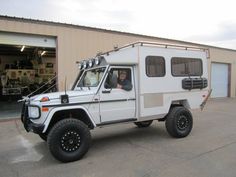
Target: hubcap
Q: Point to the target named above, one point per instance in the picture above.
(182, 122)
(70, 141)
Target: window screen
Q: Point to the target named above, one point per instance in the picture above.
(186, 66)
(155, 66)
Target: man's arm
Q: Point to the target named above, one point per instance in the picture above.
(127, 85)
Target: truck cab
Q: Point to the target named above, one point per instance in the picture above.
(137, 83)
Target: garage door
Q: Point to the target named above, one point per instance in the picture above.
(219, 80)
(27, 39)
(27, 62)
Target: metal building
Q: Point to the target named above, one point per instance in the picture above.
(53, 49)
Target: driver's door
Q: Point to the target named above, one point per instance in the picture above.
(117, 105)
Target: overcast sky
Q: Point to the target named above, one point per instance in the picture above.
(210, 22)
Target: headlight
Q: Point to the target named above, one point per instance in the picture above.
(33, 112)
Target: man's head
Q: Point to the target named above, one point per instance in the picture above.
(122, 75)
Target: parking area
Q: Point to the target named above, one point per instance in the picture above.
(124, 150)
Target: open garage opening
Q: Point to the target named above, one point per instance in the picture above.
(28, 65)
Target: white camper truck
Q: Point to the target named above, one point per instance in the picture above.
(137, 83)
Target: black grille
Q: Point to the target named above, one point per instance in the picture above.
(24, 115)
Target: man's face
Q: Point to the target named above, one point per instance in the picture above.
(122, 75)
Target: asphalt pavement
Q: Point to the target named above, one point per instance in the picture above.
(127, 151)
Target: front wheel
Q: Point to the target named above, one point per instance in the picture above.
(143, 123)
(69, 140)
(179, 122)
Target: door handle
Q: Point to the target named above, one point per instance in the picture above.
(106, 91)
(96, 99)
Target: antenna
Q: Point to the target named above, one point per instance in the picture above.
(65, 97)
(65, 85)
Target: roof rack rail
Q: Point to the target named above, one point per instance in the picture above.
(164, 45)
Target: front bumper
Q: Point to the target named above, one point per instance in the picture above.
(28, 124)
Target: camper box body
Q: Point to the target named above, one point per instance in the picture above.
(155, 94)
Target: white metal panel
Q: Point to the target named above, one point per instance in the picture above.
(168, 84)
(127, 56)
(27, 40)
(117, 104)
(219, 80)
(112, 110)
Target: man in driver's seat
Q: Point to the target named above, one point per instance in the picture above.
(123, 82)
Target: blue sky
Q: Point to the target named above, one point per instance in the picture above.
(210, 22)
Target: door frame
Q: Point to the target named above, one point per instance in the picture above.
(229, 76)
(101, 89)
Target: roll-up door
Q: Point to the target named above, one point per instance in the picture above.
(219, 79)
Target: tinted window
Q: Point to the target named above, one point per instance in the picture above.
(155, 66)
(186, 66)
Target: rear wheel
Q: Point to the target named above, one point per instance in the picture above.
(69, 140)
(143, 123)
(179, 122)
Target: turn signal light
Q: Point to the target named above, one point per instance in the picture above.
(45, 109)
(44, 99)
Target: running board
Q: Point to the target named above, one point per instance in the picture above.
(117, 122)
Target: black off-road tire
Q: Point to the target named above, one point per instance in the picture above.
(179, 122)
(69, 140)
(143, 123)
(43, 136)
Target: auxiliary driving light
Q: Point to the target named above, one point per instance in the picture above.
(90, 62)
(84, 65)
(80, 66)
(97, 61)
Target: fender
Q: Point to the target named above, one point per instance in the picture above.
(56, 109)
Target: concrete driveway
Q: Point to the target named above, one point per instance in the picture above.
(124, 150)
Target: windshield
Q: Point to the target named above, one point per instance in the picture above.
(91, 78)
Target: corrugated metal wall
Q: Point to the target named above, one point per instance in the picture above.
(75, 43)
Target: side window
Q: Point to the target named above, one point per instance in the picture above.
(186, 66)
(119, 78)
(155, 66)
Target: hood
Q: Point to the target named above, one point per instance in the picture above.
(56, 95)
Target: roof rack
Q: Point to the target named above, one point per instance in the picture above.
(164, 45)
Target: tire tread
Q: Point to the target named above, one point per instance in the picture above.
(55, 130)
(170, 125)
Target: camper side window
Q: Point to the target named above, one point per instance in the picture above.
(155, 66)
(186, 66)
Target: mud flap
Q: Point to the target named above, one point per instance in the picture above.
(205, 100)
